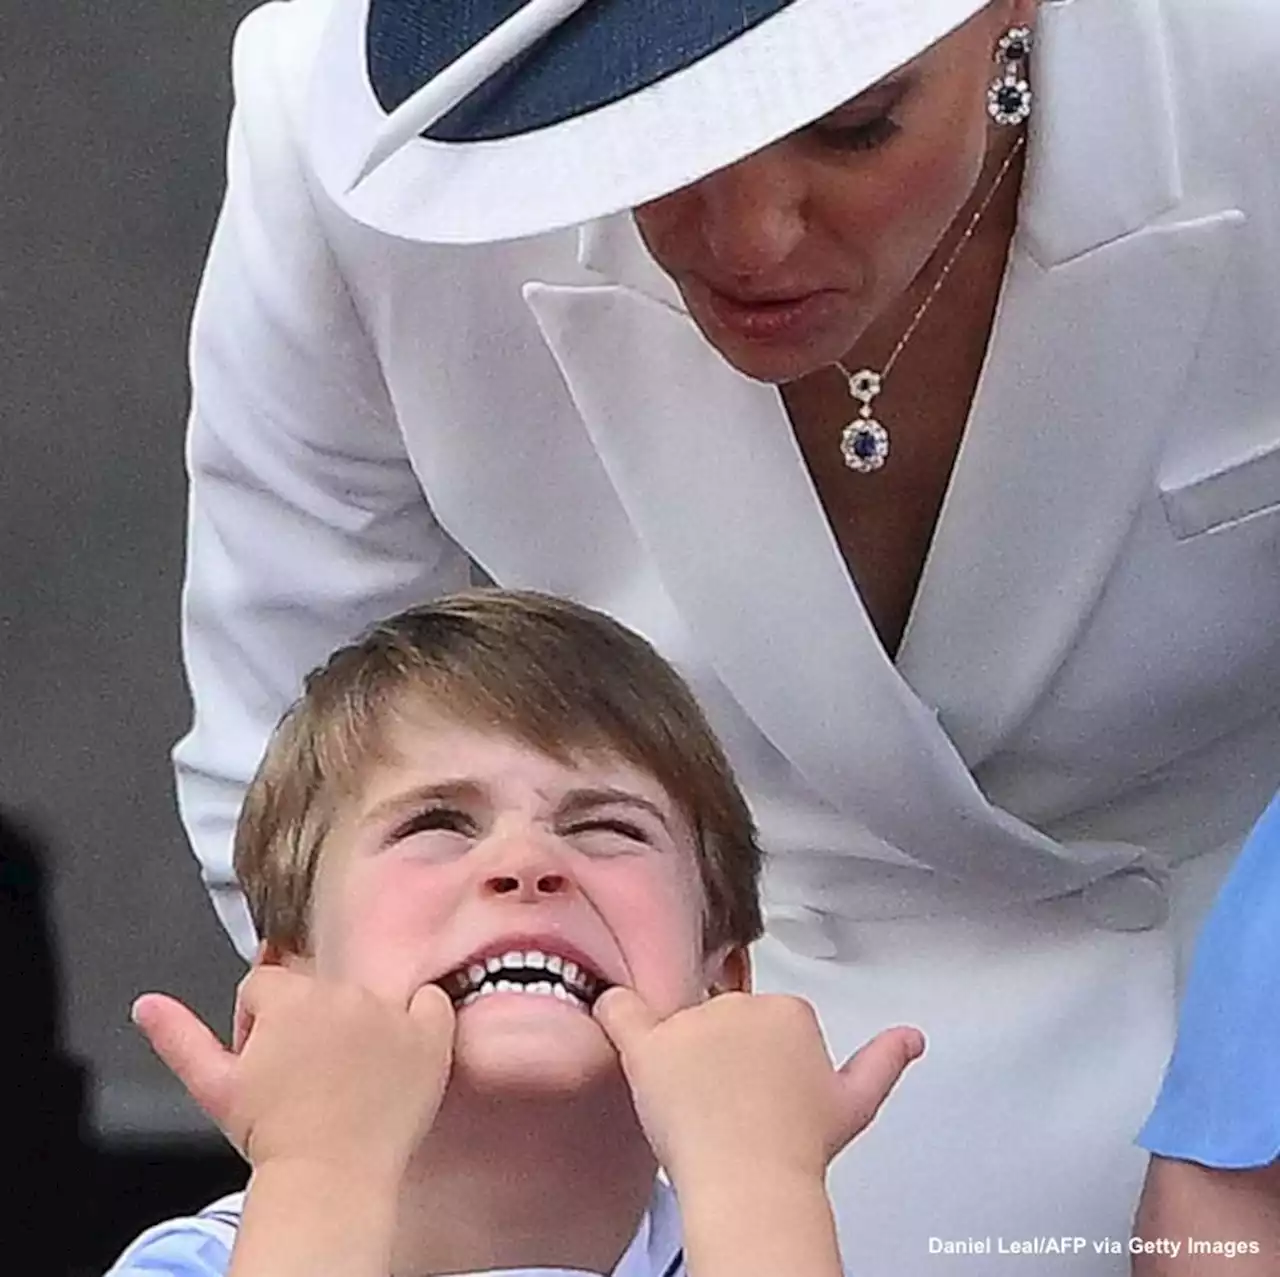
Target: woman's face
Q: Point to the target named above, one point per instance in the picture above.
(786, 257)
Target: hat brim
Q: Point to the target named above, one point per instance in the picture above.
(774, 77)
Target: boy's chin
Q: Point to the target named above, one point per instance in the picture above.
(529, 1056)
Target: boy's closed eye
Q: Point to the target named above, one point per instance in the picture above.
(609, 834)
(596, 831)
(434, 819)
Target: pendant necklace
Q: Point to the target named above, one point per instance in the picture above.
(864, 443)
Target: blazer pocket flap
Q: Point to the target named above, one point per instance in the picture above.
(1243, 487)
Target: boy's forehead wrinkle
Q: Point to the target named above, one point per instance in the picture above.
(419, 716)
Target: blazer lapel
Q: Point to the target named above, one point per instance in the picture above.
(1067, 428)
(1059, 455)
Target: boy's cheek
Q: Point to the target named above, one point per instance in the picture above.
(671, 978)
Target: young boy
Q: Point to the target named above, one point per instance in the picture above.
(504, 883)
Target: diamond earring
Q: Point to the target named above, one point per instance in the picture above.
(1009, 97)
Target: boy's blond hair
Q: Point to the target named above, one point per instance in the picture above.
(561, 678)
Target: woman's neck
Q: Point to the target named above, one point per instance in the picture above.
(544, 1181)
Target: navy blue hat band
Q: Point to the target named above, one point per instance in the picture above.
(606, 51)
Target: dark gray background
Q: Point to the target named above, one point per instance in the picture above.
(112, 120)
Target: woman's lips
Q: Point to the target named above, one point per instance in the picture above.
(772, 320)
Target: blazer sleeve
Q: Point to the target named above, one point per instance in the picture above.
(1220, 1102)
(306, 521)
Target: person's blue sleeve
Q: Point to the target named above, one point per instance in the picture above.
(199, 1246)
(1220, 1102)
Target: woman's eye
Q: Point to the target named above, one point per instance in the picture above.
(869, 136)
(434, 819)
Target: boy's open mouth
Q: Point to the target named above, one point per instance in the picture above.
(529, 971)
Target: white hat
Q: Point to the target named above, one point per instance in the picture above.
(465, 121)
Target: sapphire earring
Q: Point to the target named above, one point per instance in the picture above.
(1009, 97)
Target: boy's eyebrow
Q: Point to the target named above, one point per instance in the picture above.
(578, 801)
(458, 791)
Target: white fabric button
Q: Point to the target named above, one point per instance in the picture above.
(801, 929)
(1131, 900)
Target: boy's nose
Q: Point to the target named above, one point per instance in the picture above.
(525, 866)
(532, 885)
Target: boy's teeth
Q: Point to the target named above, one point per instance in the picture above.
(538, 988)
(565, 980)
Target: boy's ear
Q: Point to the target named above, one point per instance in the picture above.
(730, 971)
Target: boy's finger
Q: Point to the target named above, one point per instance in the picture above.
(624, 1016)
(241, 1021)
(190, 1049)
(265, 984)
(867, 1077)
(432, 1009)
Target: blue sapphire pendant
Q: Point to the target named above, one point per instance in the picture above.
(864, 444)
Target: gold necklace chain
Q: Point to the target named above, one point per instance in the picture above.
(864, 442)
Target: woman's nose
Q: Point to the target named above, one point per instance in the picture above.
(752, 215)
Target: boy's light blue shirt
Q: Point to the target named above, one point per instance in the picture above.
(200, 1245)
(1220, 1103)
(196, 1246)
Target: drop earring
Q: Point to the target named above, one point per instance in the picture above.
(1009, 97)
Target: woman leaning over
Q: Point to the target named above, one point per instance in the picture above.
(907, 373)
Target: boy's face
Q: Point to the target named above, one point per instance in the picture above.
(468, 846)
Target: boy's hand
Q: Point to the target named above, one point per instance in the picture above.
(744, 1081)
(318, 1071)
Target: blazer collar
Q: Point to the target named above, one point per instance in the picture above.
(1104, 156)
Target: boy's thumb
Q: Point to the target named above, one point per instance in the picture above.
(191, 1050)
(624, 1016)
(868, 1077)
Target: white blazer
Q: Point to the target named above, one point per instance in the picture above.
(1005, 835)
